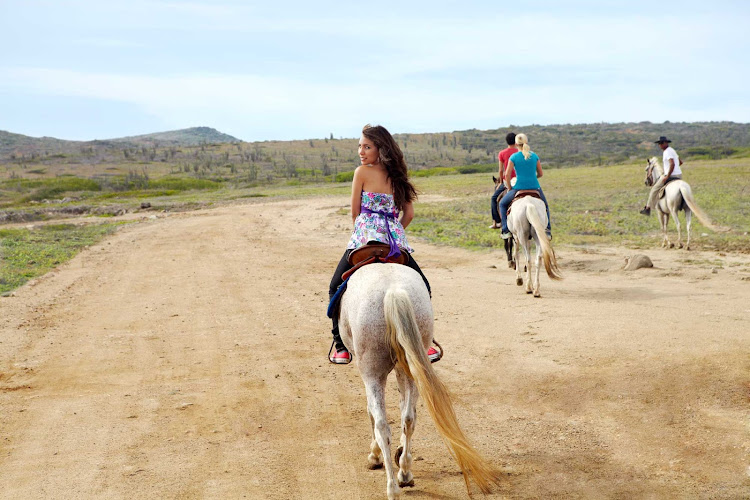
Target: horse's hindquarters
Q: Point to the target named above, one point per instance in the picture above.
(362, 319)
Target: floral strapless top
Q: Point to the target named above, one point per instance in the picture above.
(372, 227)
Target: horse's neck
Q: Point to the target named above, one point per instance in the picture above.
(658, 168)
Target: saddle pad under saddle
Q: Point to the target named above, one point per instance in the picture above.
(523, 194)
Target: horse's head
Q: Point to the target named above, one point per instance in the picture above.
(652, 167)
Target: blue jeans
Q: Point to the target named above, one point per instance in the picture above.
(493, 205)
(505, 202)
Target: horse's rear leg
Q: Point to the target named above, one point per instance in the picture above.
(375, 458)
(408, 399)
(688, 222)
(375, 389)
(538, 266)
(679, 232)
(527, 254)
(519, 280)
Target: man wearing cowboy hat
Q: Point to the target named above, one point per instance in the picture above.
(671, 163)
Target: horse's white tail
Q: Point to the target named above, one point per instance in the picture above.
(687, 195)
(406, 342)
(548, 255)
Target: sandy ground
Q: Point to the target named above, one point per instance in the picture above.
(184, 357)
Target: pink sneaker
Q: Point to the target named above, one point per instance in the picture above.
(341, 358)
(434, 355)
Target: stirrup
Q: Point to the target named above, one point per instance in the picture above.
(439, 350)
(330, 359)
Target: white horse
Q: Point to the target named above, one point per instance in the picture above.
(677, 196)
(528, 219)
(386, 321)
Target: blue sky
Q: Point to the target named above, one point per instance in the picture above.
(279, 70)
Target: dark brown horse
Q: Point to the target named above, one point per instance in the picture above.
(507, 244)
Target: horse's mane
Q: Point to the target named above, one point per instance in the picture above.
(657, 164)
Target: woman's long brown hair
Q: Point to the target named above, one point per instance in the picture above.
(393, 160)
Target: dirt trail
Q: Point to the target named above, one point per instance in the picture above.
(184, 357)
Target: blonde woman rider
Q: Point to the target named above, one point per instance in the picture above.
(528, 169)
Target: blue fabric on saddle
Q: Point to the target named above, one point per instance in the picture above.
(333, 305)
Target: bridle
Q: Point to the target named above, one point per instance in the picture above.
(649, 173)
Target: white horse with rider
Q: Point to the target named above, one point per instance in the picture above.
(524, 214)
(528, 219)
(676, 195)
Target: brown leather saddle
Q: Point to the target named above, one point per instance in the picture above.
(522, 193)
(373, 252)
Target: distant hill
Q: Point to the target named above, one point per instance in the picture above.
(205, 152)
(22, 145)
(610, 143)
(10, 143)
(184, 137)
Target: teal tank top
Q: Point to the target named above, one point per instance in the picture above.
(525, 171)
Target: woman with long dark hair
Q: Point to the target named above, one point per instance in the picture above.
(381, 190)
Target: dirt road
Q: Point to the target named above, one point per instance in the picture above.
(184, 357)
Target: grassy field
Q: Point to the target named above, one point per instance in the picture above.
(28, 253)
(593, 205)
(589, 206)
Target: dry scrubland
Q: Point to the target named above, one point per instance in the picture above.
(590, 205)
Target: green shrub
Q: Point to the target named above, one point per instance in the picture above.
(429, 172)
(183, 184)
(45, 189)
(345, 176)
(479, 168)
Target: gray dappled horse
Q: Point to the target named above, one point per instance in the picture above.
(386, 321)
(677, 196)
(528, 219)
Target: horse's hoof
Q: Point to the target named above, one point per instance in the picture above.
(679, 246)
(374, 462)
(399, 451)
(405, 480)
(511, 264)
(519, 281)
(528, 291)
(671, 245)
(407, 484)
(537, 295)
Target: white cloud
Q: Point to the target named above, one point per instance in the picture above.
(255, 107)
(446, 67)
